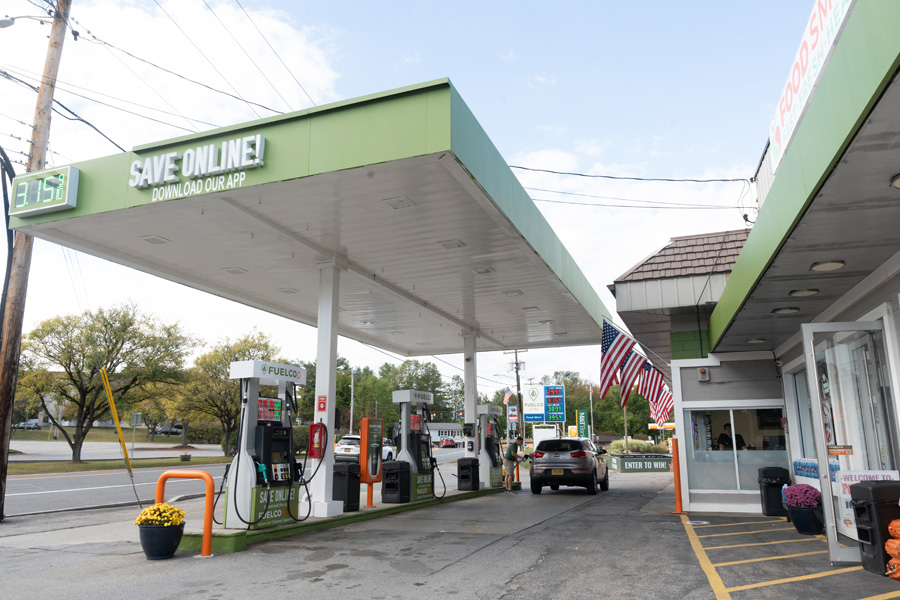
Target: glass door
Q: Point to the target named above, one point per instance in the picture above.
(852, 417)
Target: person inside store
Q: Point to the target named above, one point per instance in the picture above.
(726, 442)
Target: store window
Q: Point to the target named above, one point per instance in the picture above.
(728, 447)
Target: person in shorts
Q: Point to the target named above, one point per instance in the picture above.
(509, 462)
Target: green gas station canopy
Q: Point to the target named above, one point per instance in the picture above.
(402, 189)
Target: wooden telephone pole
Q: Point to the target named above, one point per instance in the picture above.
(14, 307)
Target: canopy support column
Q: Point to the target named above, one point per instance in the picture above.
(470, 392)
(326, 374)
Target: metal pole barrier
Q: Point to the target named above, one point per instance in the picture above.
(206, 547)
(677, 472)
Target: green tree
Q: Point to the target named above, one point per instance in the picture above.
(209, 390)
(63, 356)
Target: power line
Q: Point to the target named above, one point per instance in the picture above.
(130, 112)
(75, 116)
(252, 22)
(618, 178)
(247, 54)
(196, 47)
(694, 205)
(657, 206)
(95, 40)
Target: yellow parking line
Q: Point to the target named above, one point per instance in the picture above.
(715, 582)
(743, 523)
(791, 528)
(762, 543)
(793, 579)
(751, 560)
(883, 596)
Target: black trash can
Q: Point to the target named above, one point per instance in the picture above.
(771, 480)
(395, 482)
(467, 474)
(345, 486)
(874, 506)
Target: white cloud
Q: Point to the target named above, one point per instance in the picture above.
(510, 56)
(541, 81)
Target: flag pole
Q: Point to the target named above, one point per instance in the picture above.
(591, 402)
(625, 420)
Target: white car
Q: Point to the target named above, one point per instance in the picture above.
(347, 449)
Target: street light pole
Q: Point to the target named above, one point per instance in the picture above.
(14, 303)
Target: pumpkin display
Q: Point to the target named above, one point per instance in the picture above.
(894, 528)
(893, 568)
(892, 547)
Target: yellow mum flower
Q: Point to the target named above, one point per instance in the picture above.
(161, 514)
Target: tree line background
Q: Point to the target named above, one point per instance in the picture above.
(147, 365)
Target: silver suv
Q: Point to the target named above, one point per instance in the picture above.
(568, 461)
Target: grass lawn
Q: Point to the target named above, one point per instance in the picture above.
(33, 468)
(98, 434)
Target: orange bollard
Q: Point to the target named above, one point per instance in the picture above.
(369, 496)
(206, 547)
(677, 473)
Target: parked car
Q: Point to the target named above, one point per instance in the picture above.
(29, 424)
(168, 429)
(568, 461)
(347, 449)
(448, 443)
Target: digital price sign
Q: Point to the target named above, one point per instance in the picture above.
(268, 409)
(544, 403)
(44, 191)
(554, 403)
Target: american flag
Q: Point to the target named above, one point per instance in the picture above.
(664, 405)
(631, 368)
(507, 396)
(615, 346)
(650, 385)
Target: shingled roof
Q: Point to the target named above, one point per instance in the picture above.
(689, 256)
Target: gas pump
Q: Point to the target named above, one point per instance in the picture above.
(414, 443)
(490, 462)
(262, 488)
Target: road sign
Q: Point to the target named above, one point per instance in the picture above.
(136, 419)
(512, 414)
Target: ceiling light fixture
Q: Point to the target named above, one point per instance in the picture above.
(756, 341)
(895, 181)
(483, 269)
(786, 310)
(399, 202)
(827, 265)
(234, 270)
(512, 293)
(451, 244)
(803, 293)
(155, 239)
(547, 322)
(289, 291)
(532, 308)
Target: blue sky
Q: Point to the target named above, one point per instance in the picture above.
(641, 89)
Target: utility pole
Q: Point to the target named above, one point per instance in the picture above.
(517, 365)
(14, 307)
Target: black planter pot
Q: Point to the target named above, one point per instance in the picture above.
(160, 541)
(808, 521)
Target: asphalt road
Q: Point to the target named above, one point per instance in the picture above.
(67, 491)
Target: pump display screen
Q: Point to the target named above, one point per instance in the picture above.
(276, 457)
(269, 409)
